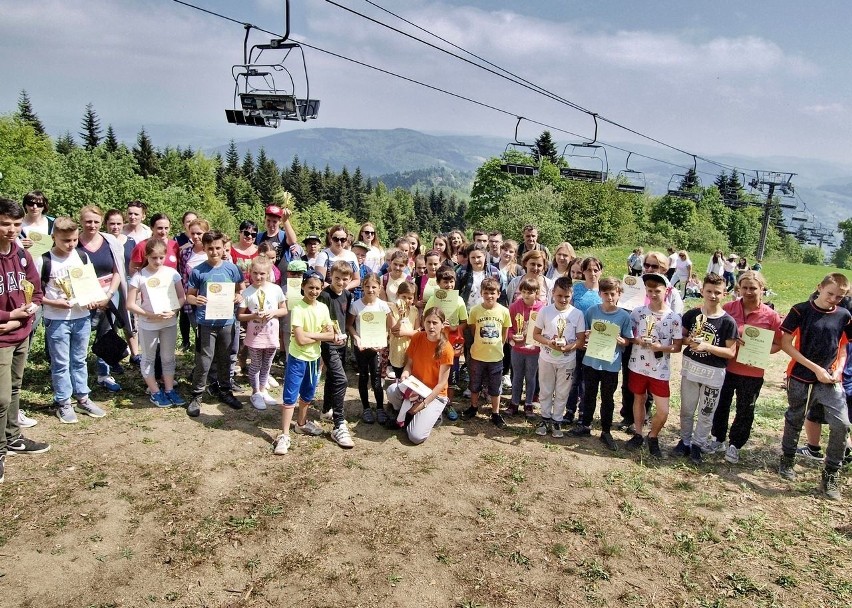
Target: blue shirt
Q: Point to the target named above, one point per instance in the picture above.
(618, 317)
(204, 273)
(584, 298)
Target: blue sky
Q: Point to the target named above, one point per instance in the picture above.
(749, 78)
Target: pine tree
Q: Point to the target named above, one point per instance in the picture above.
(91, 133)
(111, 141)
(147, 161)
(65, 143)
(248, 168)
(267, 178)
(689, 181)
(545, 148)
(26, 113)
(232, 159)
(721, 182)
(220, 170)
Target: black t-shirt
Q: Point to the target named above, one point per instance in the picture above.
(100, 259)
(338, 307)
(819, 332)
(715, 330)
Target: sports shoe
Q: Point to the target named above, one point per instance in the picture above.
(466, 393)
(497, 420)
(732, 454)
(65, 412)
(715, 446)
(109, 383)
(695, 454)
(452, 414)
(512, 409)
(22, 445)
(390, 374)
(117, 369)
(194, 408)
(635, 442)
(543, 427)
(624, 426)
(175, 398)
(136, 359)
(229, 399)
(24, 421)
(269, 399)
(581, 431)
(309, 428)
(160, 399)
(469, 413)
(556, 430)
(809, 454)
(506, 383)
(2, 468)
(830, 484)
(786, 468)
(343, 437)
(90, 408)
(681, 449)
(609, 442)
(271, 382)
(382, 416)
(529, 413)
(257, 401)
(654, 447)
(368, 416)
(281, 445)
(327, 415)
(213, 390)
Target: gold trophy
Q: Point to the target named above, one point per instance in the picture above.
(261, 300)
(650, 324)
(338, 335)
(28, 291)
(402, 307)
(65, 285)
(519, 327)
(697, 333)
(560, 329)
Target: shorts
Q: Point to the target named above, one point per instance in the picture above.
(300, 380)
(488, 374)
(639, 385)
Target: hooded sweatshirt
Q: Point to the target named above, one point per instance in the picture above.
(13, 268)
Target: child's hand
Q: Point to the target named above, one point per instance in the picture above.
(200, 300)
(825, 377)
(357, 340)
(166, 314)
(620, 341)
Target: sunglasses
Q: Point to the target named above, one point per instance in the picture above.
(35, 204)
(339, 239)
(370, 232)
(249, 234)
(651, 265)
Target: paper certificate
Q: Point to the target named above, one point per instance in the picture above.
(85, 285)
(633, 295)
(220, 301)
(417, 386)
(448, 301)
(531, 328)
(373, 329)
(756, 346)
(161, 295)
(294, 292)
(602, 341)
(41, 243)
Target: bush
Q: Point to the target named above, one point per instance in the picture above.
(814, 256)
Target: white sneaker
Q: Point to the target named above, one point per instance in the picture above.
(342, 436)
(309, 428)
(507, 381)
(25, 421)
(466, 393)
(732, 454)
(269, 399)
(281, 445)
(258, 402)
(326, 415)
(271, 383)
(715, 446)
(390, 374)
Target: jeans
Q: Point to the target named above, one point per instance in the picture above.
(334, 391)
(746, 389)
(69, 344)
(524, 371)
(13, 360)
(608, 382)
(801, 395)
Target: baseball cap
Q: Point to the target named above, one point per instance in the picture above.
(655, 276)
(297, 266)
(274, 210)
(360, 244)
(311, 237)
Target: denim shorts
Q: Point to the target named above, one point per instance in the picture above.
(487, 374)
(300, 380)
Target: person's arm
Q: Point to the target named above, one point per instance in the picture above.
(132, 305)
(350, 329)
(244, 315)
(180, 293)
(288, 227)
(193, 298)
(441, 386)
(304, 338)
(788, 347)
(729, 351)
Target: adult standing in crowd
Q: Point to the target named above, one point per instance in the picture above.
(716, 265)
(634, 263)
(335, 240)
(135, 228)
(562, 258)
(375, 253)
(245, 249)
(683, 269)
(729, 267)
(495, 241)
(35, 217)
(531, 243)
(183, 238)
(161, 225)
(281, 235)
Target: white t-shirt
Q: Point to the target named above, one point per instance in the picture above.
(682, 267)
(263, 334)
(141, 233)
(59, 270)
(326, 258)
(374, 259)
(144, 281)
(546, 321)
(667, 328)
(475, 296)
(358, 306)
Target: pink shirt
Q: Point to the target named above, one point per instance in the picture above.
(763, 317)
(518, 307)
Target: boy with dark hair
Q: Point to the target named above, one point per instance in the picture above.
(339, 300)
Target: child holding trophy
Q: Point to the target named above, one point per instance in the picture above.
(525, 351)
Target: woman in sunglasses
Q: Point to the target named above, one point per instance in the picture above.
(35, 218)
(244, 250)
(336, 238)
(376, 254)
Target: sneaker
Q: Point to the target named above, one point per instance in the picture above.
(695, 454)
(469, 413)
(309, 428)
(22, 445)
(271, 382)
(543, 427)
(65, 412)
(117, 369)
(635, 442)
(24, 421)
(213, 390)
(382, 416)
(281, 445)
(229, 399)
(715, 446)
(327, 415)
(681, 449)
(466, 393)
(257, 401)
(136, 360)
(732, 454)
(497, 420)
(236, 387)
(390, 374)
(194, 408)
(90, 408)
(2, 468)
(556, 430)
(529, 413)
(830, 484)
(160, 399)
(175, 398)
(786, 468)
(512, 410)
(609, 442)
(581, 431)
(452, 414)
(654, 447)
(623, 426)
(269, 399)
(109, 383)
(368, 416)
(809, 454)
(343, 437)
(506, 383)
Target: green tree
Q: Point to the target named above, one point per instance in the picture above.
(65, 144)
(110, 141)
(23, 153)
(232, 159)
(147, 160)
(267, 178)
(27, 114)
(91, 133)
(744, 230)
(842, 257)
(813, 255)
(545, 148)
(248, 168)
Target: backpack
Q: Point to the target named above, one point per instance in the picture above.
(46, 264)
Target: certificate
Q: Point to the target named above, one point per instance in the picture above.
(41, 243)
(602, 340)
(161, 295)
(294, 292)
(373, 329)
(417, 386)
(448, 301)
(85, 285)
(633, 295)
(220, 301)
(531, 328)
(756, 346)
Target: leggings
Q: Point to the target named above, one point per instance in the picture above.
(368, 372)
(260, 364)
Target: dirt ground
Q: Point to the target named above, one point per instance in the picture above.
(148, 507)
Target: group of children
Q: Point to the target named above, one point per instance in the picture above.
(550, 343)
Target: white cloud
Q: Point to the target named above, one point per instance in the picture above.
(834, 108)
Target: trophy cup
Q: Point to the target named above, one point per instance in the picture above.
(65, 285)
(402, 307)
(697, 335)
(28, 291)
(560, 329)
(519, 327)
(650, 324)
(339, 336)
(261, 300)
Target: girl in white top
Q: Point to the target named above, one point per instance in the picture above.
(335, 239)
(161, 296)
(376, 254)
(263, 304)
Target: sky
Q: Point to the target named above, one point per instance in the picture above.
(759, 78)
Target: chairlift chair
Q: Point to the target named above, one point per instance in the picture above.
(630, 180)
(518, 168)
(591, 155)
(677, 180)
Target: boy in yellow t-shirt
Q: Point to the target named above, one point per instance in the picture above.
(490, 322)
